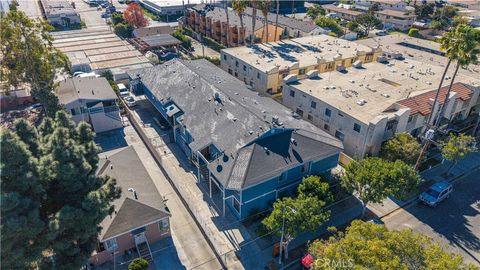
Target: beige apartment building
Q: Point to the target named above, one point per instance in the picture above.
(398, 19)
(363, 107)
(264, 66)
(343, 13)
(212, 22)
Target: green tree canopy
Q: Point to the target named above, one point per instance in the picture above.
(414, 32)
(138, 264)
(425, 10)
(315, 10)
(123, 30)
(457, 147)
(402, 146)
(373, 179)
(370, 246)
(367, 22)
(29, 58)
(313, 186)
(52, 200)
(329, 23)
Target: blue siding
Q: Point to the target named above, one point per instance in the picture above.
(324, 165)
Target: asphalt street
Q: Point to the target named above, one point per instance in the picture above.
(454, 223)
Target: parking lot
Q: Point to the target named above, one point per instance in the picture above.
(454, 223)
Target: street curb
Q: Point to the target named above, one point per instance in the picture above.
(410, 201)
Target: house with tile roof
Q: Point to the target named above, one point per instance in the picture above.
(140, 217)
(248, 149)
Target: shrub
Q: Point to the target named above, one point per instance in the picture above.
(138, 264)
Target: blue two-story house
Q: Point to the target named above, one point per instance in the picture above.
(249, 149)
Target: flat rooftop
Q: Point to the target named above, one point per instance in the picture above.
(367, 92)
(422, 50)
(100, 47)
(305, 50)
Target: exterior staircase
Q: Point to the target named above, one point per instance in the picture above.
(144, 251)
(204, 172)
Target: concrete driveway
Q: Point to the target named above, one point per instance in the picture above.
(454, 223)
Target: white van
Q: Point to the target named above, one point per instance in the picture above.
(123, 90)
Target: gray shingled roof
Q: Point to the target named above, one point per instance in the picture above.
(89, 88)
(232, 124)
(127, 168)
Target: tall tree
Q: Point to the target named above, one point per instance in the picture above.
(135, 16)
(425, 10)
(368, 21)
(370, 246)
(56, 190)
(21, 194)
(240, 6)
(29, 58)
(254, 4)
(227, 32)
(457, 147)
(264, 6)
(329, 23)
(461, 46)
(292, 216)
(315, 10)
(402, 146)
(277, 3)
(373, 179)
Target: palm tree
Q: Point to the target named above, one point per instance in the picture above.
(265, 7)
(228, 23)
(239, 6)
(254, 4)
(276, 18)
(461, 45)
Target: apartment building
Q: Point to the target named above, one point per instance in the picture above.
(60, 13)
(343, 13)
(212, 22)
(397, 19)
(363, 107)
(264, 66)
(248, 149)
(291, 27)
(91, 100)
(399, 5)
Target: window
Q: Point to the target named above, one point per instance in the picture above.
(282, 177)
(258, 75)
(292, 93)
(251, 83)
(313, 104)
(224, 57)
(236, 63)
(244, 68)
(339, 135)
(236, 74)
(340, 114)
(310, 117)
(299, 112)
(356, 127)
(111, 244)
(301, 71)
(410, 119)
(326, 127)
(163, 225)
(304, 168)
(230, 71)
(236, 204)
(328, 112)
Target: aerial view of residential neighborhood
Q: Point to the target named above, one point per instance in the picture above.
(240, 134)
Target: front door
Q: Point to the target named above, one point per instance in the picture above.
(140, 238)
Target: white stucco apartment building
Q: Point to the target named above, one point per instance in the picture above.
(365, 106)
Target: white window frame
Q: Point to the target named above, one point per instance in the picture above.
(163, 225)
(111, 244)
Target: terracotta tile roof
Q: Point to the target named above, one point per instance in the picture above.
(420, 104)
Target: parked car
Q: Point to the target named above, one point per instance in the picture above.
(123, 90)
(111, 8)
(106, 15)
(436, 193)
(78, 73)
(93, 3)
(381, 33)
(104, 4)
(130, 101)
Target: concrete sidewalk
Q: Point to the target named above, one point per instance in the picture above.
(437, 173)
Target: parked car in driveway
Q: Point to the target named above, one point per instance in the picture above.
(436, 193)
(123, 90)
(130, 101)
